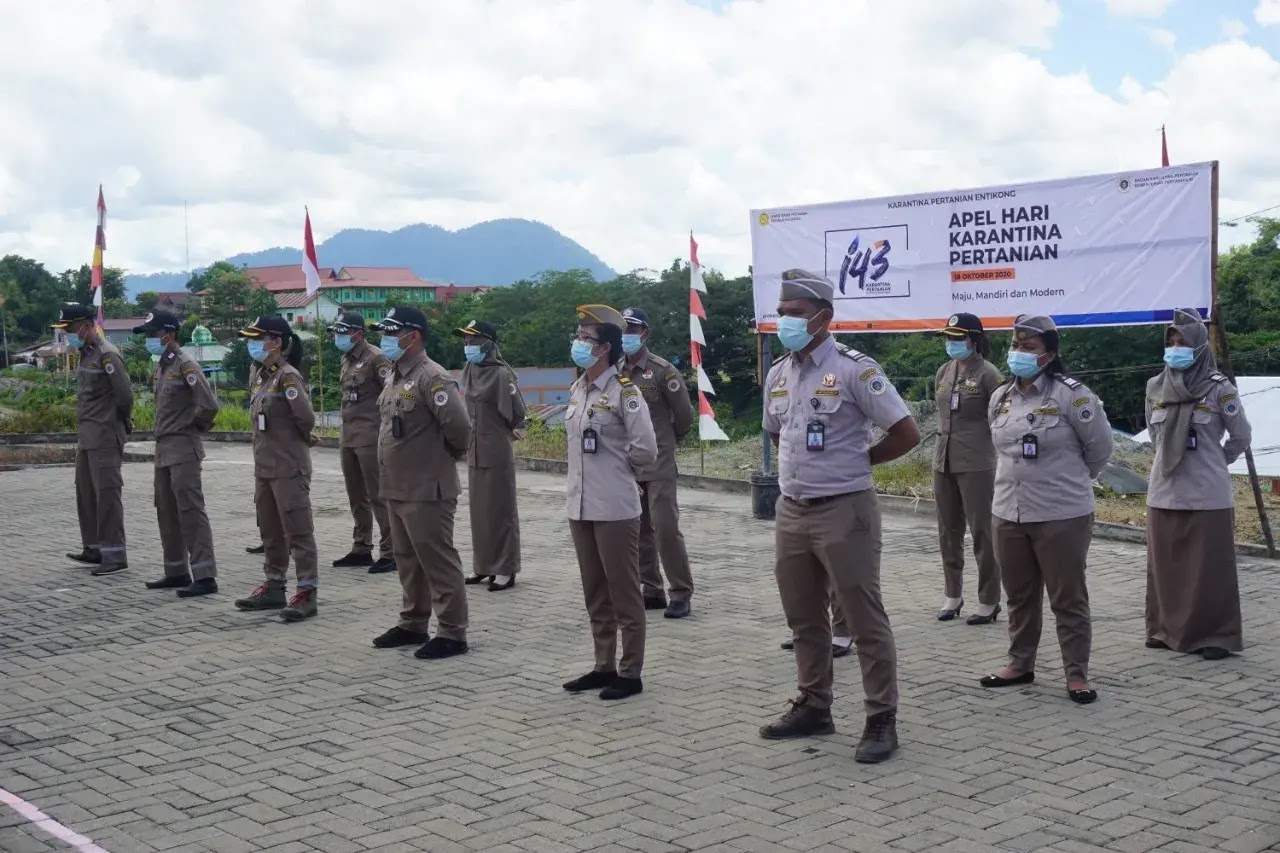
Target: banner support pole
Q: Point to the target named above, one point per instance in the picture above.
(1224, 362)
(764, 357)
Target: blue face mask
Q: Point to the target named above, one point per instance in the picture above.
(794, 332)
(1023, 365)
(581, 354)
(391, 347)
(1179, 358)
(74, 341)
(631, 344)
(343, 343)
(258, 351)
(155, 346)
(958, 349)
(474, 354)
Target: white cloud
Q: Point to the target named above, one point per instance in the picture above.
(1138, 8)
(1164, 38)
(1267, 12)
(1233, 28)
(622, 124)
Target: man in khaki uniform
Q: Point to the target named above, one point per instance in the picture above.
(424, 432)
(104, 405)
(672, 414)
(497, 413)
(964, 467)
(185, 407)
(821, 402)
(364, 372)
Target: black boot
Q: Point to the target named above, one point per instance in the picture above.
(879, 738)
(355, 558)
(593, 680)
(256, 549)
(622, 688)
(802, 719)
(169, 583)
(204, 586)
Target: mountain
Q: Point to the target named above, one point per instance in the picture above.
(495, 253)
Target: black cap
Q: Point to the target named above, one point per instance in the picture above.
(478, 329)
(403, 317)
(635, 316)
(158, 321)
(347, 322)
(73, 312)
(960, 325)
(269, 324)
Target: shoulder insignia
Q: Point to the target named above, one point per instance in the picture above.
(626, 392)
(439, 386)
(850, 352)
(1217, 377)
(109, 367)
(674, 384)
(1080, 401)
(1069, 382)
(441, 397)
(632, 399)
(291, 392)
(866, 374)
(878, 385)
(1225, 397)
(622, 380)
(191, 378)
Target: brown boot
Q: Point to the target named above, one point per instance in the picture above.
(263, 598)
(301, 606)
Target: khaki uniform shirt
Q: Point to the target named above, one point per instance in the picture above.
(420, 464)
(1201, 480)
(104, 397)
(282, 420)
(1073, 442)
(670, 410)
(602, 485)
(185, 407)
(364, 372)
(845, 393)
(964, 388)
(494, 414)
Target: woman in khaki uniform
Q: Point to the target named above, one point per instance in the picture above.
(610, 434)
(282, 421)
(964, 467)
(1193, 595)
(1052, 439)
(496, 409)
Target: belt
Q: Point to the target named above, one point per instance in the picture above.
(805, 502)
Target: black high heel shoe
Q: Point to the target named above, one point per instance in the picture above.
(979, 619)
(948, 615)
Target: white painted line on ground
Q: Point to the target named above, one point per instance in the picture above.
(47, 824)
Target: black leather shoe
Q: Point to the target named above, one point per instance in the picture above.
(1001, 681)
(398, 636)
(1083, 695)
(109, 569)
(256, 549)
(802, 719)
(593, 680)
(169, 583)
(879, 738)
(355, 558)
(440, 647)
(948, 615)
(204, 586)
(1153, 643)
(678, 610)
(88, 555)
(622, 688)
(979, 619)
(382, 566)
(838, 651)
(494, 586)
(788, 645)
(655, 602)
(475, 579)
(1214, 653)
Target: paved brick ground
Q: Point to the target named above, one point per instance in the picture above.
(147, 723)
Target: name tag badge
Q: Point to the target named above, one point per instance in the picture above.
(262, 421)
(955, 401)
(353, 396)
(1191, 439)
(815, 438)
(589, 440)
(1030, 447)
(397, 427)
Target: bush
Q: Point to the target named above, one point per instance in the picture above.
(543, 442)
(232, 419)
(59, 417)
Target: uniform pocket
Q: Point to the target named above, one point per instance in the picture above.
(779, 405)
(1199, 417)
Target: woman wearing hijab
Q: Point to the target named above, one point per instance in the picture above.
(1193, 596)
(497, 413)
(964, 467)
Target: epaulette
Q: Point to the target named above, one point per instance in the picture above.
(622, 380)
(1068, 381)
(1218, 377)
(850, 352)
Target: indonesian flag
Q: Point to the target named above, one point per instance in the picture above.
(310, 266)
(708, 429)
(99, 246)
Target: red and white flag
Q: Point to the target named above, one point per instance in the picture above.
(310, 266)
(99, 246)
(708, 429)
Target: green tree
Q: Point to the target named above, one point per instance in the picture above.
(80, 284)
(34, 295)
(226, 297)
(188, 328)
(260, 303)
(118, 309)
(146, 301)
(236, 362)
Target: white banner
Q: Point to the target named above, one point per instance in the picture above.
(1105, 250)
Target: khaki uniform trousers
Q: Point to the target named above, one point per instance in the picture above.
(965, 498)
(285, 523)
(430, 569)
(660, 536)
(608, 559)
(185, 536)
(1051, 555)
(835, 545)
(360, 473)
(100, 504)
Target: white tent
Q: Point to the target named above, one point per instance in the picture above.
(1260, 396)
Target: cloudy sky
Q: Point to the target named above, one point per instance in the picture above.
(621, 123)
